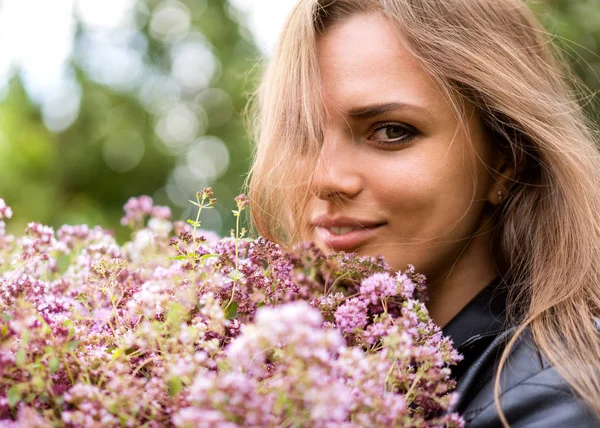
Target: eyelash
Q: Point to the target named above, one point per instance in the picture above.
(410, 134)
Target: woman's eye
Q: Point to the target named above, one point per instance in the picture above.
(392, 134)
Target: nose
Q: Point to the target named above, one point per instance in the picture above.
(337, 174)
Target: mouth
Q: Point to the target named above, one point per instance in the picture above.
(346, 239)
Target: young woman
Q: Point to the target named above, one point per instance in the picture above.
(445, 133)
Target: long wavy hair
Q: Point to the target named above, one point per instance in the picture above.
(495, 55)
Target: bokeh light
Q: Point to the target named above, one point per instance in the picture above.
(60, 107)
(217, 104)
(208, 158)
(106, 15)
(194, 65)
(112, 63)
(123, 151)
(179, 125)
(170, 20)
(159, 91)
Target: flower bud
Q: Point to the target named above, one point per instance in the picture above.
(241, 201)
(207, 192)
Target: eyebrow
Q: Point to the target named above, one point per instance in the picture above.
(374, 110)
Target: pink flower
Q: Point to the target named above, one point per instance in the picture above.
(378, 287)
(136, 209)
(5, 210)
(153, 333)
(192, 417)
(161, 213)
(351, 315)
(406, 285)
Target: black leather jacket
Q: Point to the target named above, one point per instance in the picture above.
(533, 394)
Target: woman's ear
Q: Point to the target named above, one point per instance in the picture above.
(503, 176)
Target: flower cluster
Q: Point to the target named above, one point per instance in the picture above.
(5, 213)
(5, 210)
(136, 210)
(180, 328)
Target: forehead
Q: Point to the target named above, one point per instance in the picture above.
(363, 59)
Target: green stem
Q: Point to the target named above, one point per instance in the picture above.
(200, 206)
(237, 240)
(417, 378)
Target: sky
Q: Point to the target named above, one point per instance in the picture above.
(265, 18)
(40, 43)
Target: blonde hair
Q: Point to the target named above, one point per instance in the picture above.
(496, 56)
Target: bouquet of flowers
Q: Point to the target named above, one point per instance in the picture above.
(181, 328)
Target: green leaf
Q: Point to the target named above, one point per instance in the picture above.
(20, 357)
(175, 314)
(208, 256)
(175, 386)
(13, 395)
(73, 344)
(25, 337)
(231, 311)
(282, 401)
(193, 222)
(38, 383)
(261, 304)
(62, 262)
(53, 364)
(46, 329)
(194, 203)
(181, 257)
(117, 353)
(6, 317)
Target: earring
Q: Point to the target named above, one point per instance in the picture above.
(500, 195)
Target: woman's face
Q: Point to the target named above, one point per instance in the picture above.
(396, 174)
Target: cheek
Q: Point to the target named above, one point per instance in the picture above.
(425, 192)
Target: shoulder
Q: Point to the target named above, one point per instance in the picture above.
(532, 394)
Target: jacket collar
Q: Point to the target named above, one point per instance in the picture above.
(478, 323)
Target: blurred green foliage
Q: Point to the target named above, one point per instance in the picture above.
(575, 25)
(87, 171)
(147, 135)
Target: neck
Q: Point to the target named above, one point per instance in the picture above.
(453, 289)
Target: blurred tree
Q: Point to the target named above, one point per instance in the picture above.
(576, 28)
(152, 106)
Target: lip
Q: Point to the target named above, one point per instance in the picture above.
(349, 241)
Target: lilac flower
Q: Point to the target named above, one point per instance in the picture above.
(377, 287)
(241, 201)
(327, 304)
(5, 210)
(191, 417)
(160, 212)
(28, 417)
(375, 332)
(351, 315)
(151, 332)
(330, 400)
(406, 285)
(208, 236)
(136, 209)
